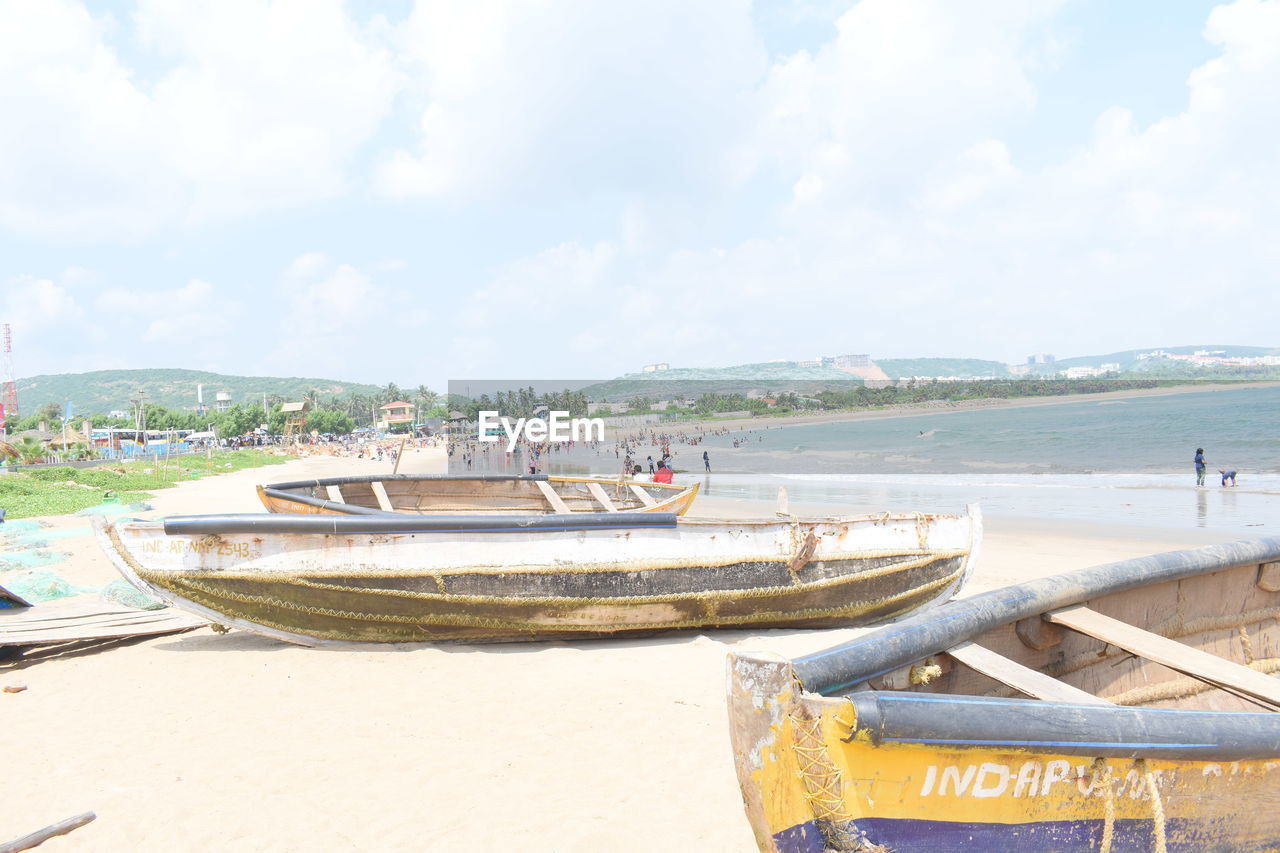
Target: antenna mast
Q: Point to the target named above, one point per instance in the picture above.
(8, 383)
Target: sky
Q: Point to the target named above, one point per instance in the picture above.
(415, 191)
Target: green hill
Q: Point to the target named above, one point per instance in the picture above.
(961, 367)
(776, 376)
(108, 390)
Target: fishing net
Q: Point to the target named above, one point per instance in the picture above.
(38, 585)
(114, 509)
(121, 592)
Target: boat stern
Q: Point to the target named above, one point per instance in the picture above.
(793, 793)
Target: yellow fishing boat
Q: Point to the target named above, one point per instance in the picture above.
(473, 494)
(1126, 707)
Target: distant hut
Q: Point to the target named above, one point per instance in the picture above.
(295, 418)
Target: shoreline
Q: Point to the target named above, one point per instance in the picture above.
(937, 407)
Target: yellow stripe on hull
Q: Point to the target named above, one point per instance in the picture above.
(804, 774)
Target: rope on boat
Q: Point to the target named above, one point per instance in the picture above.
(1246, 646)
(1157, 807)
(1100, 765)
(1182, 688)
(1144, 771)
(824, 789)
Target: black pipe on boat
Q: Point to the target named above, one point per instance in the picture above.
(335, 506)
(952, 722)
(908, 640)
(396, 523)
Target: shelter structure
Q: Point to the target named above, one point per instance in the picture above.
(295, 418)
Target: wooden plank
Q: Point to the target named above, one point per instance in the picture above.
(599, 494)
(380, 492)
(1177, 656)
(335, 494)
(19, 629)
(643, 495)
(177, 622)
(552, 498)
(1021, 678)
(40, 836)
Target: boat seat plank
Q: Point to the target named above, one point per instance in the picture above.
(552, 498)
(599, 494)
(1171, 653)
(335, 494)
(380, 492)
(644, 496)
(1021, 678)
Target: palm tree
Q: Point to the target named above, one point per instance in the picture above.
(391, 393)
(427, 397)
(7, 450)
(31, 450)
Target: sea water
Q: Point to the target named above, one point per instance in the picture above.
(1107, 460)
(1127, 460)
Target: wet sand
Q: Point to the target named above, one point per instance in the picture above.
(237, 742)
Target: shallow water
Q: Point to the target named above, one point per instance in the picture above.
(1106, 461)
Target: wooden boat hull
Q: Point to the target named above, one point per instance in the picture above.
(397, 579)
(471, 494)
(916, 752)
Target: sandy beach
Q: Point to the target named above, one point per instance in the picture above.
(236, 742)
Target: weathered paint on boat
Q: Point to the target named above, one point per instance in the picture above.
(471, 493)
(389, 578)
(913, 759)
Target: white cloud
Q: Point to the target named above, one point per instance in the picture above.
(256, 106)
(338, 319)
(197, 315)
(574, 97)
(48, 324)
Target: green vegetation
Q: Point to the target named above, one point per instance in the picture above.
(60, 490)
(521, 403)
(334, 414)
(898, 368)
(109, 390)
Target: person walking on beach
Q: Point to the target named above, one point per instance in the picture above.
(706, 460)
(650, 466)
(1200, 466)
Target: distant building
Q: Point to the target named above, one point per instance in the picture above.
(1111, 367)
(654, 368)
(116, 413)
(1019, 369)
(397, 413)
(1041, 358)
(222, 401)
(813, 362)
(844, 361)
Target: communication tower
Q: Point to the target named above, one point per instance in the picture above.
(8, 383)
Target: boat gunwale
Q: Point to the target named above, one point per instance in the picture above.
(834, 669)
(483, 478)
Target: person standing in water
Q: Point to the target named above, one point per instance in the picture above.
(706, 460)
(1200, 466)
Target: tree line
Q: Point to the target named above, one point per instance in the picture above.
(334, 413)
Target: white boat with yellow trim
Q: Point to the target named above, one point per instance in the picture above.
(1130, 706)
(396, 578)
(498, 494)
